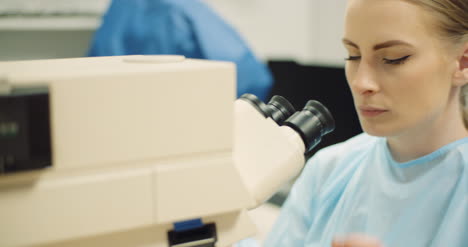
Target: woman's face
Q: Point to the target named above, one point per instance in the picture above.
(399, 71)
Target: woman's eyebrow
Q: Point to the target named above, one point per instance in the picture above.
(391, 43)
(349, 42)
(379, 46)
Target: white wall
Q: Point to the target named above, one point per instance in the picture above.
(41, 38)
(273, 28)
(327, 36)
(38, 29)
(307, 31)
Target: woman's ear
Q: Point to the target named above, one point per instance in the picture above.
(460, 77)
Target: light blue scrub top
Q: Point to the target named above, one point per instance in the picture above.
(356, 186)
(184, 27)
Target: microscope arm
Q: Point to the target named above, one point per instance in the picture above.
(266, 155)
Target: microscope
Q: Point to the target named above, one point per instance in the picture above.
(141, 151)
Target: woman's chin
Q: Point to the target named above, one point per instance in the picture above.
(377, 130)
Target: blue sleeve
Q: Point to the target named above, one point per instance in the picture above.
(291, 227)
(249, 242)
(313, 197)
(295, 218)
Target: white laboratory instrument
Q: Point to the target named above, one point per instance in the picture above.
(140, 151)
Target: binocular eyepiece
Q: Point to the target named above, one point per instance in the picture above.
(311, 123)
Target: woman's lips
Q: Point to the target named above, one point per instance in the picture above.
(369, 111)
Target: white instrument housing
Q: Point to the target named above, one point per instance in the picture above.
(138, 143)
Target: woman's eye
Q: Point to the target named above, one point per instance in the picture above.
(353, 58)
(400, 60)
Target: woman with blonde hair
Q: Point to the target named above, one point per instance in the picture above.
(404, 182)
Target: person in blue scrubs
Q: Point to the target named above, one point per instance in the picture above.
(183, 27)
(404, 182)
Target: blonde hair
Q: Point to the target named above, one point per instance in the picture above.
(452, 23)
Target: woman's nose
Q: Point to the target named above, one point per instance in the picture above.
(364, 82)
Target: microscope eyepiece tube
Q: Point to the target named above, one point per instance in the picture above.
(278, 108)
(313, 122)
(322, 112)
(256, 103)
